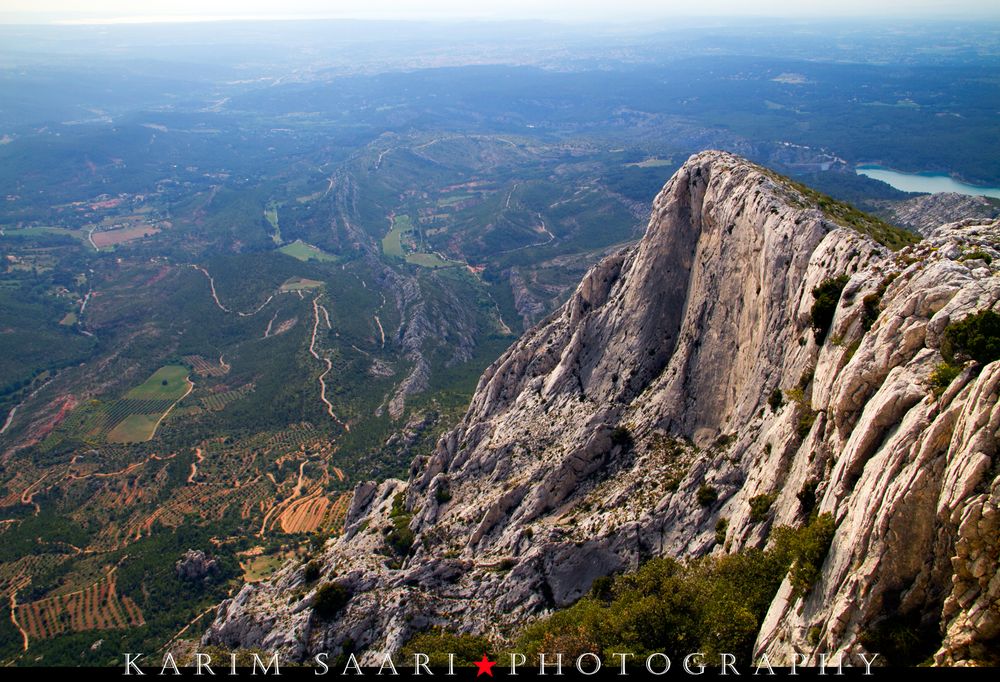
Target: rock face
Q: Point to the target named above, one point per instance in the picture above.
(196, 565)
(925, 213)
(586, 443)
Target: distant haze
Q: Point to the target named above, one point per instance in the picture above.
(128, 11)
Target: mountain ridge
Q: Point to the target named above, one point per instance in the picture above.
(641, 414)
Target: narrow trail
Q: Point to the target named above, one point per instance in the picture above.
(380, 331)
(211, 283)
(10, 418)
(509, 195)
(328, 187)
(267, 332)
(90, 238)
(218, 303)
(302, 476)
(84, 301)
(184, 629)
(541, 228)
(13, 613)
(170, 409)
(111, 474)
(503, 325)
(326, 360)
(13, 410)
(199, 458)
(28, 494)
(259, 308)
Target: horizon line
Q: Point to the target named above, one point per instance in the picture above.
(161, 19)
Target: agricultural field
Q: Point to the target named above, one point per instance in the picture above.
(204, 367)
(105, 238)
(218, 401)
(299, 250)
(400, 242)
(166, 383)
(392, 243)
(98, 607)
(430, 260)
(271, 216)
(131, 419)
(297, 284)
(652, 163)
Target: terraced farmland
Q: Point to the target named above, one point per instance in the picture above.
(218, 401)
(206, 368)
(131, 419)
(98, 607)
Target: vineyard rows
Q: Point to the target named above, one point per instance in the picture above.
(97, 607)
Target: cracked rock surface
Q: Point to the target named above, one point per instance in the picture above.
(585, 444)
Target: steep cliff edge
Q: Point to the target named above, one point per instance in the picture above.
(646, 410)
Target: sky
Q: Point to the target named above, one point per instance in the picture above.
(125, 11)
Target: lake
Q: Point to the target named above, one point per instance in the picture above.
(930, 183)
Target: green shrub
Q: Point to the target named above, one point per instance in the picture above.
(600, 589)
(330, 599)
(760, 505)
(904, 639)
(976, 337)
(312, 571)
(826, 296)
(711, 605)
(807, 417)
(707, 495)
(977, 254)
(443, 493)
(721, 527)
(870, 309)
(807, 497)
(437, 644)
(942, 376)
(776, 400)
(807, 548)
(622, 437)
(399, 537)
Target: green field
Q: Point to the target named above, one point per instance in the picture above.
(300, 284)
(430, 260)
(652, 163)
(392, 243)
(454, 199)
(271, 215)
(166, 383)
(39, 230)
(134, 428)
(305, 252)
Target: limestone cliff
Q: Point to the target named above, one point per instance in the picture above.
(586, 443)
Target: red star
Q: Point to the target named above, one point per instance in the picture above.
(485, 666)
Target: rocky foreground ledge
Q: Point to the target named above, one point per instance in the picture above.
(683, 379)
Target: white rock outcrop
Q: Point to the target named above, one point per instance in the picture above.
(586, 443)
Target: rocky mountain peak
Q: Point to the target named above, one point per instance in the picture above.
(687, 375)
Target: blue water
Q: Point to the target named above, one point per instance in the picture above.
(924, 182)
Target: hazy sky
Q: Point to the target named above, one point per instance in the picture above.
(569, 10)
